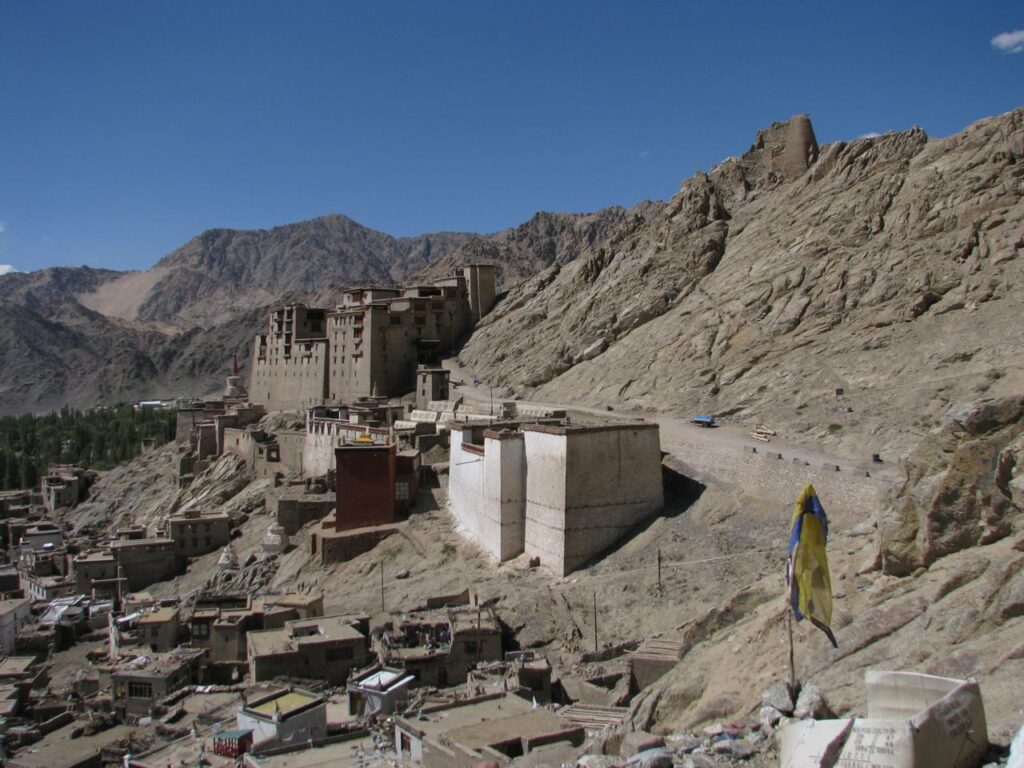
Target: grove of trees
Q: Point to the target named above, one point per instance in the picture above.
(101, 438)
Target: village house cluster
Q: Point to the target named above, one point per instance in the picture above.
(379, 420)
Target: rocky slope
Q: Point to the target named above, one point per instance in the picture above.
(887, 267)
(545, 240)
(936, 585)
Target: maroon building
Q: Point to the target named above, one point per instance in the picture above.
(375, 484)
(365, 485)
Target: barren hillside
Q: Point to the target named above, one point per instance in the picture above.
(889, 268)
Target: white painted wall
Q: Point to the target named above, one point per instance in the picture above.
(487, 492)
(502, 515)
(545, 498)
(466, 486)
(613, 482)
(563, 497)
(311, 724)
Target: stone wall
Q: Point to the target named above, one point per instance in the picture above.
(293, 513)
(285, 383)
(292, 444)
(847, 493)
(241, 443)
(332, 546)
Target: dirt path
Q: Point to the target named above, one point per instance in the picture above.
(677, 433)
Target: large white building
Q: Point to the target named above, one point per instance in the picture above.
(561, 493)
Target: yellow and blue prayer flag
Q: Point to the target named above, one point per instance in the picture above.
(810, 586)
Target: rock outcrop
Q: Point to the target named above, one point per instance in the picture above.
(964, 487)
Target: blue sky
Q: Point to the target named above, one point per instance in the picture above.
(127, 128)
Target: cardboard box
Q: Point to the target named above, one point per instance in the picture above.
(914, 721)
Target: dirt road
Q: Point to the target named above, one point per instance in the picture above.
(677, 433)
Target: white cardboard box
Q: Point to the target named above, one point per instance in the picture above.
(914, 721)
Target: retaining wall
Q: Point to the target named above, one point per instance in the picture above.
(769, 473)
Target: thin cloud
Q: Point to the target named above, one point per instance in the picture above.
(645, 154)
(6, 269)
(869, 135)
(1009, 42)
(3, 227)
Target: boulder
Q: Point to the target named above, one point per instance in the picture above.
(780, 697)
(658, 757)
(768, 717)
(738, 749)
(811, 703)
(639, 741)
(960, 488)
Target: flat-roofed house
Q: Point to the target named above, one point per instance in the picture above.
(497, 728)
(284, 717)
(326, 648)
(140, 683)
(195, 533)
(160, 628)
(439, 647)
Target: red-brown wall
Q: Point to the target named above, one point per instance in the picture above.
(365, 486)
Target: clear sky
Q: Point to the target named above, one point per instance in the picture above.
(126, 128)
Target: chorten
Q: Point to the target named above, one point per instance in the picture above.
(235, 388)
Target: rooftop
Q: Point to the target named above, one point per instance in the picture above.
(157, 665)
(13, 604)
(473, 621)
(127, 543)
(60, 750)
(284, 703)
(324, 629)
(96, 556)
(286, 600)
(161, 616)
(528, 725)
(346, 754)
(468, 713)
(194, 515)
(384, 679)
(16, 665)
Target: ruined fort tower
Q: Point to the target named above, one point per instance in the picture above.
(801, 148)
(369, 345)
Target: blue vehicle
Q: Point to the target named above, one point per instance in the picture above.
(704, 421)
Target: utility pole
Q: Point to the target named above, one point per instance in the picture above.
(595, 622)
(380, 565)
(659, 570)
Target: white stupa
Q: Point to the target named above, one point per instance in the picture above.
(227, 561)
(275, 541)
